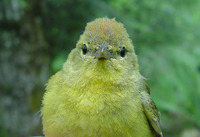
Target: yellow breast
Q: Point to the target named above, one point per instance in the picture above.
(92, 108)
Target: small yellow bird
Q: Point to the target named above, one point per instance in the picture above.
(100, 92)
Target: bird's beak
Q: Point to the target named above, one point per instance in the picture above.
(102, 52)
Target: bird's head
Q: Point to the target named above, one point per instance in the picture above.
(104, 48)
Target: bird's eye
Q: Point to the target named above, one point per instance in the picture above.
(84, 49)
(122, 52)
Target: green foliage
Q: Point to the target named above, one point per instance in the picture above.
(58, 61)
(174, 81)
(63, 22)
(3, 131)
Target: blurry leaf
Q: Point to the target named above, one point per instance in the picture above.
(58, 62)
(174, 81)
(191, 133)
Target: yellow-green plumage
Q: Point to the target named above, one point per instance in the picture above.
(100, 93)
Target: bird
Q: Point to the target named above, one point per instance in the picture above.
(99, 92)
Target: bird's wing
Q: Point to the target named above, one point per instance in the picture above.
(151, 111)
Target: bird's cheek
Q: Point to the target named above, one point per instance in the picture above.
(113, 60)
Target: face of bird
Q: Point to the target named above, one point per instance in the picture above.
(104, 48)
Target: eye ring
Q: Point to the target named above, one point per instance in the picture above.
(84, 49)
(123, 52)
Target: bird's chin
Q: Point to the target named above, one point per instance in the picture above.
(102, 59)
(100, 64)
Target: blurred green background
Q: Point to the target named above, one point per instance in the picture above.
(36, 37)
